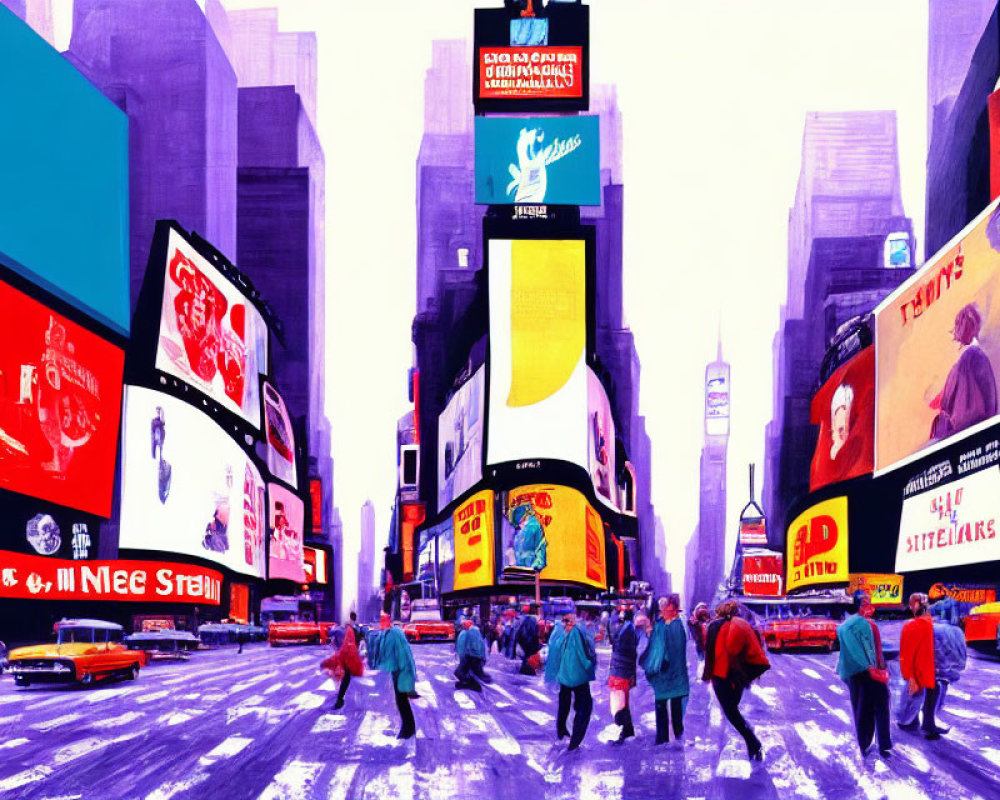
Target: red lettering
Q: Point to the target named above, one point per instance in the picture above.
(980, 530)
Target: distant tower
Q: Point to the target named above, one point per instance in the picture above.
(366, 559)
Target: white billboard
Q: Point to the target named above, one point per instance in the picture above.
(717, 399)
(187, 487)
(952, 524)
(601, 441)
(538, 333)
(460, 440)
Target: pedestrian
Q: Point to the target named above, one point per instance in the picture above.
(916, 663)
(734, 658)
(861, 666)
(344, 663)
(698, 624)
(665, 663)
(572, 663)
(528, 641)
(950, 656)
(621, 675)
(241, 638)
(471, 657)
(389, 651)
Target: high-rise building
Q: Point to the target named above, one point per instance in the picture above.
(366, 560)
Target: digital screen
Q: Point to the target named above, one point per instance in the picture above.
(601, 441)
(753, 531)
(817, 545)
(530, 72)
(474, 542)
(844, 409)
(280, 437)
(884, 590)
(443, 535)
(211, 336)
(60, 405)
(37, 527)
(938, 348)
(538, 332)
(896, 253)
(717, 400)
(286, 513)
(460, 440)
(187, 487)
(551, 160)
(316, 503)
(314, 564)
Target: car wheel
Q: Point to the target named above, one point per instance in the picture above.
(19, 681)
(87, 679)
(133, 673)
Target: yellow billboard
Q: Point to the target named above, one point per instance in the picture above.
(473, 521)
(884, 590)
(817, 545)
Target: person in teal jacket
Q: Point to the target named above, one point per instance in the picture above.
(665, 663)
(471, 656)
(389, 651)
(861, 655)
(573, 665)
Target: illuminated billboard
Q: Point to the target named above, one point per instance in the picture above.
(187, 487)
(557, 527)
(753, 531)
(460, 440)
(316, 504)
(763, 574)
(884, 590)
(538, 333)
(717, 399)
(474, 542)
(286, 515)
(37, 527)
(552, 160)
(519, 73)
(844, 410)
(60, 404)
(211, 336)
(64, 209)
(952, 524)
(314, 564)
(601, 441)
(280, 437)
(937, 343)
(817, 545)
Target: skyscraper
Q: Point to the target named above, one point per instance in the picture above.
(366, 560)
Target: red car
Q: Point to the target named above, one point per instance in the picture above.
(981, 627)
(814, 632)
(299, 632)
(426, 624)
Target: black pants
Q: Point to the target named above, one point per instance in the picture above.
(471, 666)
(729, 697)
(583, 705)
(930, 703)
(344, 683)
(409, 726)
(665, 709)
(870, 704)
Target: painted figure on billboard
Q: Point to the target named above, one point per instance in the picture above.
(280, 439)
(216, 532)
(287, 517)
(529, 174)
(529, 538)
(43, 534)
(157, 435)
(601, 441)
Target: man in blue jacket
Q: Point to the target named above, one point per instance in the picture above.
(471, 656)
(950, 657)
(573, 664)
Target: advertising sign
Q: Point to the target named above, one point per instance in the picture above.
(896, 251)
(753, 531)
(553, 160)
(717, 399)
(35, 527)
(976, 594)
(557, 527)
(817, 545)
(60, 402)
(187, 487)
(443, 539)
(885, 590)
(601, 441)
(474, 541)
(280, 438)
(460, 440)
(538, 336)
(519, 73)
(952, 524)
(286, 513)
(763, 574)
(211, 336)
(316, 504)
(937, 343)
(314, 564)
(39, 578)
(844, 409)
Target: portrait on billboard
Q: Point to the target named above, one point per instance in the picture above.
(211, 336)
(601, 441)
(844, 410)
(938, 347)
(287, 515)
(460, 440)
(280, 438)
(60, 402)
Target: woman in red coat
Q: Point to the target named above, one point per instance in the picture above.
(916, 663)
(343, 664)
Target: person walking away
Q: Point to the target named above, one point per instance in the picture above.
(698, 624)
(950, 657)
(388, 651)
(862, 667)
(528, 641)
(733, 658)
(471, 656)
(572, 663)
(665, 663)
(621, 675)
(344, 663)
(916, 663)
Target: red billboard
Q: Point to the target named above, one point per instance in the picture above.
(316, 504)
(763, 574)
(530, 72)
(40, 578)
(753, 531)
(60, 402)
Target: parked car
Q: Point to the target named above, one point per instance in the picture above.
(164, 643)
(85, 651)
(426, 624)
(817, 632)
(298, 632)
(982, 628)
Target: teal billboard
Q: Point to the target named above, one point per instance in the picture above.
(550, 160)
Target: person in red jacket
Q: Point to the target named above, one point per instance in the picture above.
(916, 663)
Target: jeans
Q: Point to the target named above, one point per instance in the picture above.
(870, 704)
(409, 726)
(344, 683)
(910, 706)
(665, 709)
(583, 705)
(729, 697)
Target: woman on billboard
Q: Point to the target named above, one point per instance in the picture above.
(529, 538)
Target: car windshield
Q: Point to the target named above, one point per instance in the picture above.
(67, 635)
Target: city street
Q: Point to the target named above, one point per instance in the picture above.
(261, 725)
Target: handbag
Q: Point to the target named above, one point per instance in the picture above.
(880, 675)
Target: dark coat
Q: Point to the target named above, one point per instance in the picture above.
(623, 653)
(527, 636)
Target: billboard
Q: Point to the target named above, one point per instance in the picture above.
(443, 537)
(601, 441)
(885, 590)
(552, 160)
(314, 564)
(286, 515)
(844, 410)
(39, 578)
(554, 525)
(280, 437)
(976, 593)
(460, 440)
(474, 542)
(187, 487)
(753, 531)
(817, 545)
(522, 73)
(60, 403)
(211, 336)
(36, 527)
(952, 524)
(763, 574)
(538, 336)
(64, 213)
(717, 399)
(937, 341)
(316, 504)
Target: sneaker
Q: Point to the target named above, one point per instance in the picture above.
(757, 755)
(932, 736)
(885, 753)
(907, 726)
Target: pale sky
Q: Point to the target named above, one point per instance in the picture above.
(713, 98)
